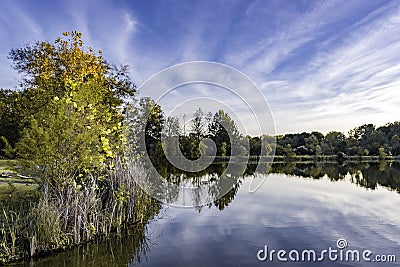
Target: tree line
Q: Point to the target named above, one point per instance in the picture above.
(362, 141)
(219, 127)
(64, 78)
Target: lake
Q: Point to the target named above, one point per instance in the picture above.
(300, 208)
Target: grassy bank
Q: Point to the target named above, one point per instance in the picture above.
(7, 165)
(37, 220)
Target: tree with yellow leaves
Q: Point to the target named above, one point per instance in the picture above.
(73, 101)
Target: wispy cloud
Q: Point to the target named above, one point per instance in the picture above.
(322, 65)
(16, 24)
(357, 77)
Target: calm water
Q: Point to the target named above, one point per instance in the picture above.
(304, 207)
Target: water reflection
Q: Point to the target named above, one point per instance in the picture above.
(130, 250)
(368, 175)
(193, 189)
(301, 206)
(288, 212)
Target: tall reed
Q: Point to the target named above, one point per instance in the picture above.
(65, 215)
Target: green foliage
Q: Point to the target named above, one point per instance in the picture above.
(224, 133)
(199, 126)
(71, 101)
(365, 140)
(395, 144)
(7, 150)
(311, 142)
(362, 141)
(151, 115)
(191, 144)
(65, 70)
(72, 137)
(66, 127)
(47, 66)
(382, 153)
(11, 121)
(170, 134)
(335, 141)
(223, 149)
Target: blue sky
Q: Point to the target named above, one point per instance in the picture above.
(322, 65)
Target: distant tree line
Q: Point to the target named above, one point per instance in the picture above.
(365, 140)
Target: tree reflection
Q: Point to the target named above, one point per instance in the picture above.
(135, 246)
(365, 174)
(216, 176)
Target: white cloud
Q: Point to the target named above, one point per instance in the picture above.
(131, 23)
(327, 66)
(348, 77)
(354, 82)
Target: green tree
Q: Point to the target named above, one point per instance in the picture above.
(255, 145)
(49, 68)
(152, 118)
(362, 132)
(72, 138)
(224, 133)
(10, 118)
(318, 135)
(382, 153)
(311, 143)
(288, 153)
(318, 150)
(370, 138)
(198, 125)
(395, 144)
(170, 136)
(335, 141)
(268, 144)
(72, 106)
